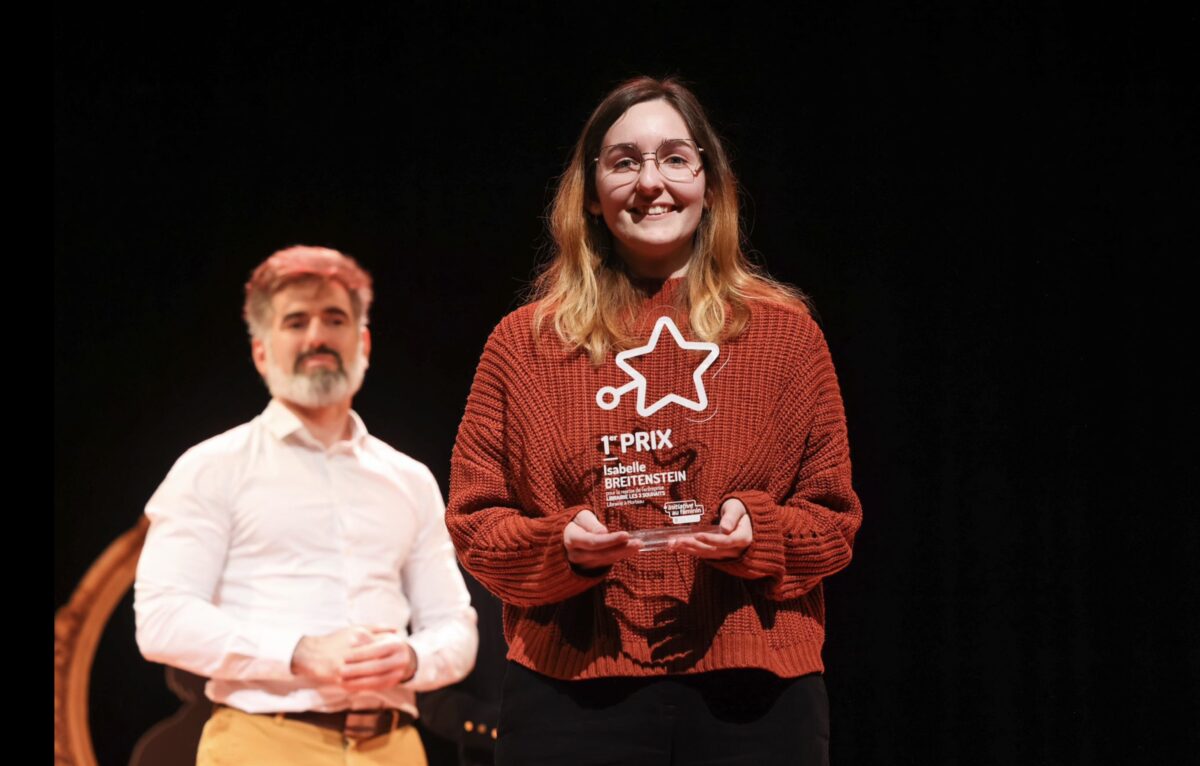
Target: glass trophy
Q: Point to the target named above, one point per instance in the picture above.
(654, 467)
(654, 539)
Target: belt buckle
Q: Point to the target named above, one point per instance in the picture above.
(364, 724)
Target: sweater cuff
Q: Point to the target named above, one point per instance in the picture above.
(764, 557)
(564, 579)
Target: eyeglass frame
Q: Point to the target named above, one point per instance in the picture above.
(654, 155)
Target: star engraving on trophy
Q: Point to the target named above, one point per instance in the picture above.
(608, 397)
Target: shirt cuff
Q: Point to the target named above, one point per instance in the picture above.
(275, 649)
(426, 668)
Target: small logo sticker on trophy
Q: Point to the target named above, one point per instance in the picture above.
(608, 397)
(683, 511)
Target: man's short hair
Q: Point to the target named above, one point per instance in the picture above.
(298, 264)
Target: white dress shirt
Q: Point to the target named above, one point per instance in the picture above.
(261, 535)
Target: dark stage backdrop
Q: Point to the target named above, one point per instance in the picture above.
(983, 203)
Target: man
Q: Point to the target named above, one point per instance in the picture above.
(287, 557)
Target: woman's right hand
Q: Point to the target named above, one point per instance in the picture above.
(590, 545)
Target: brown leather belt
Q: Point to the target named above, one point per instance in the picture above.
(355, 725)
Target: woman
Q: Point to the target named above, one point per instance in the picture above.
(656, 381)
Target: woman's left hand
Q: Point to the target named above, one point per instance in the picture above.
(734, 536)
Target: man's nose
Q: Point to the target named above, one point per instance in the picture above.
(315, 334)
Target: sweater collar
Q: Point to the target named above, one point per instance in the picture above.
(658, 290)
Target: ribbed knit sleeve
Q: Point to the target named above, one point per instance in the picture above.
(805, 522)
(508, 531)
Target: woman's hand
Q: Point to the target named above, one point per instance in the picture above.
(590, 545)
(734, 537)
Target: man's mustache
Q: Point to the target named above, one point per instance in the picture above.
(319, 351)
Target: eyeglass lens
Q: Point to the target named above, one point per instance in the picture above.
(678, 160)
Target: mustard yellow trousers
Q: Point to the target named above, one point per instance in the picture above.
(234, 738)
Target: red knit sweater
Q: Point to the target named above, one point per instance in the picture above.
(535, 448)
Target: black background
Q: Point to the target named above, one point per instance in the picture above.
(988, 205)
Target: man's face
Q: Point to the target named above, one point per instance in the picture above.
(315, 354)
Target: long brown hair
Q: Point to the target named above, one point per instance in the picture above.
(586, 288)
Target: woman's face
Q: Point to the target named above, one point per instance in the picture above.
(653, 217)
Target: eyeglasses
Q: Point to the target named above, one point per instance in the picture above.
(677, 159)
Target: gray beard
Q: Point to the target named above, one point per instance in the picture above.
(320, 388)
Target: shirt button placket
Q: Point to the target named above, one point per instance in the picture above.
(339, 526)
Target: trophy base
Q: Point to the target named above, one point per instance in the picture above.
(654, 539)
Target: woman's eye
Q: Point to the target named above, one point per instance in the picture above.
(626, 164)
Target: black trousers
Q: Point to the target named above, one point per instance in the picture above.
(725, 717)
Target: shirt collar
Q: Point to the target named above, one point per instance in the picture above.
(283, 423)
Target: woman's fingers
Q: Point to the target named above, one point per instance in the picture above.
(723, 544)
(732, 512)
(590, 544)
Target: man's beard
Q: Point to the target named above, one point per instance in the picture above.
(321, 387)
